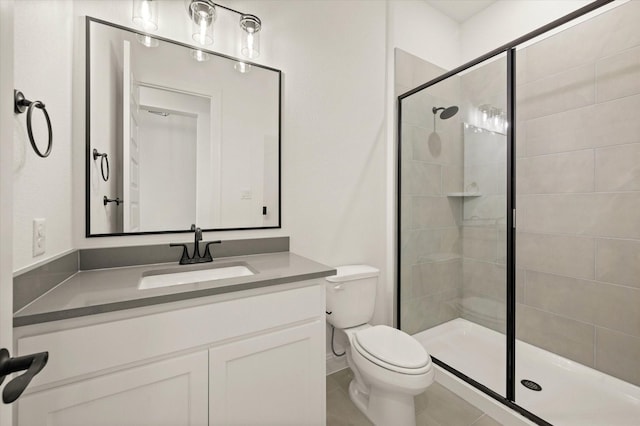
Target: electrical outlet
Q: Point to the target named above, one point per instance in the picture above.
(39, 236)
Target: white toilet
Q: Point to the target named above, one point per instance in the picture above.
(390, 367)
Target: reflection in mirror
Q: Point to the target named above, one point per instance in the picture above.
(191, 137)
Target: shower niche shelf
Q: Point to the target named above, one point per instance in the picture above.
(464, 194)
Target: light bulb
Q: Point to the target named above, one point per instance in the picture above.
(203, 31)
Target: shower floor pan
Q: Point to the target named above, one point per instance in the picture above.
(572, 394)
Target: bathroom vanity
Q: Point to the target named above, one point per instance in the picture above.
(242, 350)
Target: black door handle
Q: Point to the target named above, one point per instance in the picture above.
(32, 363)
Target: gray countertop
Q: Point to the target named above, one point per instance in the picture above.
(106, 290)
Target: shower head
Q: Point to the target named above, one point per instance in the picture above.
(446, 112)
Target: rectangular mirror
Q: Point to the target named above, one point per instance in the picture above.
(177, 136)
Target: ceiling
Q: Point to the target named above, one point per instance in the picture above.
(460, 10)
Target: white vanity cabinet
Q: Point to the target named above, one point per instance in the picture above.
(256, 359)
(169, 392)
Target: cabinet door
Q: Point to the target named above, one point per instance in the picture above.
(170, 392)
(277, 378)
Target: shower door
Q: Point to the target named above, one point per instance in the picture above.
(578, 242)
(453, 221)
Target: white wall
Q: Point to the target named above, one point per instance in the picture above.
(42, 70)
(506, 20)
(417, 28)
(6, 186)
(106, 133)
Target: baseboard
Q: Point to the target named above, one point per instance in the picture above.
(335, 363)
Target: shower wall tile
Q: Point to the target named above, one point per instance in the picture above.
(618, 354)
(405, 145)
(501, 245)
(488, 178)
(432, 212)
(436, 277)
(434, 147)
(618, 261)
(487, 84)
(403, 68)
(432, 163)
(449, 89)
(419, 243)
(578, 183)
(420, 178)
(618, 76)
(560, 92)
(452, 178)
(450, 240)
(488, 208)
(406, 212)
(406, 282)
(598, 214)
(400, 89)
(602, 36)
(484, 278)
(480, 242)
(563, 336)
(606, 305)
(566, 172)
(559, 254)
(416, 111)
(604, 124)
(521, 277)
(521, 138)
(419, 314)
(618, 168)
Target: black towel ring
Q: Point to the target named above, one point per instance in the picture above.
(103, 160)
(21, 104)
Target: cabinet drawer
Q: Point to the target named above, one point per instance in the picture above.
(87, 350)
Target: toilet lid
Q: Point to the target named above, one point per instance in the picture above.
(392, 346)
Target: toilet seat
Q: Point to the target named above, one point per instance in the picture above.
(392, 349)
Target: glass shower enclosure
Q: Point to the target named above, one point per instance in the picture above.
(518, 224)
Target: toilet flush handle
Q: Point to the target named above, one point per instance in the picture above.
(338, 287)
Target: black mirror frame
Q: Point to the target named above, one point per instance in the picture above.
(88, 151)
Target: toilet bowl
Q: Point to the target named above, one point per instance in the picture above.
(389, 366)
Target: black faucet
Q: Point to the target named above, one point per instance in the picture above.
(197, 257)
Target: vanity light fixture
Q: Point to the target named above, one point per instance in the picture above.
(251, 26)
(202, 14)
(145, 14)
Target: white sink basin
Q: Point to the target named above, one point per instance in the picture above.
(159, 279)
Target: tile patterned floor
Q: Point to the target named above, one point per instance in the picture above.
(437, 406)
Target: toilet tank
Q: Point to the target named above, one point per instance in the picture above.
(351, 295)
